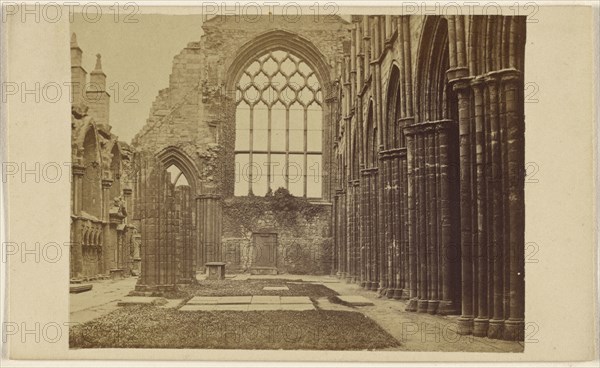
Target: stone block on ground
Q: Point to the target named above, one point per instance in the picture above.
(136, 300)
(79, 288)
(275, 288)
(198, 300)
(354, 300)
(264, 307)
(265, 299)
(295, 300)
(234, 300)
(214, 308)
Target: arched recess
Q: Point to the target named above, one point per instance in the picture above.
(115, 168)
(395, 136)
(314, 158)
(370, 139)
(91, 191)
(174, 156)
(434, 99)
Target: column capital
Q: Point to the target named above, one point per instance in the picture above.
(127, 191)
(460, 84)
(78, 170)
(106, 183)
(208, 196)
(457, 73)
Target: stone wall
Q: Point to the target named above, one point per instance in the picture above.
(304, 239)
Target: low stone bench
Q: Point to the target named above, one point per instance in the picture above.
(116, 273)
(215, 270)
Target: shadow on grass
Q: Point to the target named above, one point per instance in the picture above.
(151, 327)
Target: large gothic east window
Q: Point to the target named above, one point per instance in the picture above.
(278, 127)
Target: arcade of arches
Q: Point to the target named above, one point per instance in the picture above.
(387, 150)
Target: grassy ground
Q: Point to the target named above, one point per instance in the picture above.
(152, 327)
(248, 287)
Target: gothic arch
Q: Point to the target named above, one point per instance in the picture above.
(92, 161)
(370, 138)
(172, 155)
(282, 40)
(115, 169)
(431, 85)
(394, 136)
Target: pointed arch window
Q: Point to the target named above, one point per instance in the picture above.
(279, 127)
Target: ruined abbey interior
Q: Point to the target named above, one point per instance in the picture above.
(386, 150)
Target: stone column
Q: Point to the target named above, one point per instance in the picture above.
(465, 322)
(412, 218)
(209, 218)
(420, 180)
(365, 278)
(432, 220)
(373, 226)
(481, 322)
(512, 86)
(337, 251)
(77, 241)
(448, 254)
(128, 203)
(403, 288)
(109, 242)
(497, 243)
(356, 230)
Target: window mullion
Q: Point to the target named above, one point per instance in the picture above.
(305, 149)
(250, 145)
(269, 149)
(287, 148)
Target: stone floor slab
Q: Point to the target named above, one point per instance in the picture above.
(136, 300)
(275, 288)
(355, 300)
(234, 300)
(264, 307)
(295, 300)
(199, 300)
(214, 308)
(265, 299)
(297, 307)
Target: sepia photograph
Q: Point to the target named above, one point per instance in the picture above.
(236, 183)
(317, 182)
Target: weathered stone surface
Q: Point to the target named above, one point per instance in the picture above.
(200, 300)
(265, 299)
(275, 288)
(220, 307)
(137, 300)
(234, 300)
(295, 300)
(264, 307)
(80, 288)
(354, 300)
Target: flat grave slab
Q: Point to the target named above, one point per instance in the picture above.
(234, 300)
(275, 288)
(355, 300)
(136, 300)
(265, 299)
(214, 307)
(295, 300)
(198, 300)
(79, 288)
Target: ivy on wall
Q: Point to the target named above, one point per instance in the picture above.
(287, 209)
